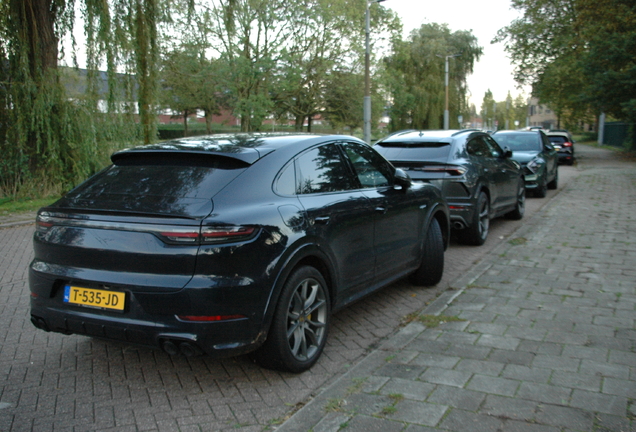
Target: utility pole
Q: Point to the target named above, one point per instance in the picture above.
(446, 113)
(366, 103)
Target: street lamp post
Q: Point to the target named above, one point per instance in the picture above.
(366, 103)
(446, 113)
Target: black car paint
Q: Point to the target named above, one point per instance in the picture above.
(116, 246)
(540, 149)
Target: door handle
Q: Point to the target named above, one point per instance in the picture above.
(322, 220)
(380, 210)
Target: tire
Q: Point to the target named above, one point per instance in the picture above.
(300, 325)
(542, 190)
(477, 232)
(555, 181)
(432, 266)
(520, 205)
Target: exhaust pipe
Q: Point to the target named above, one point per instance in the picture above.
(189, 350)
(39, 323)
(174, 347)
(459, 225)
(170, 347)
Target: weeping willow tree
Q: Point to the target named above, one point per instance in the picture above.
(415, 76)
(50, 137)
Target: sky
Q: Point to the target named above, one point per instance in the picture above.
(494, 70)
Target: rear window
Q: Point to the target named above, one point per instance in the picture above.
(557, 139)
(519, 142)
(181, 187)
(414, 151)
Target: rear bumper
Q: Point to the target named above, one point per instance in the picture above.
(566, 156)
(155, 327)
(461, 214)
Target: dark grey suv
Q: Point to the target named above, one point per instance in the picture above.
(476, 176)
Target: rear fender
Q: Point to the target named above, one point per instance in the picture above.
(303, 254)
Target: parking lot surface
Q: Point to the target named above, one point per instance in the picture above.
(51, 382)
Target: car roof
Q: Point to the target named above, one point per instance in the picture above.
(520, 131)
(558, 133)
(416, 135)
(245, 147)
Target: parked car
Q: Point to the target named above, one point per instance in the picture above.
(563, 143)
(230, 244)
(477, 178)
(537, 156)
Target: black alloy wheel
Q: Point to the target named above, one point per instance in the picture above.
(477, 232)
(301, 322)
(542, 188)
(555, 181)
(432, 267)
(520, 205)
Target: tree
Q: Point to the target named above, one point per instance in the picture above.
(191, 83)
(415, 76)
(488, 110)
(53, 137)
(248, 36)
(577, 54)
(609, 26)
(343, 100)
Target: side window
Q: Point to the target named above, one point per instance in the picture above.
(286, 183)
(546, 143)
(495, 149)
(372, 170)
(478, 147)
(322, 169)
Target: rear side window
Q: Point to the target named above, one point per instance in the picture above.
(322, 170)
(157, 186)
(478, 147)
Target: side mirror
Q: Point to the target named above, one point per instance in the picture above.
(507, 152)
(402, 179)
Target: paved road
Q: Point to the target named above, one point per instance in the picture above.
(51, 382)
(540, 336)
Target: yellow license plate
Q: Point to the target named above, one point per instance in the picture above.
(94, 297)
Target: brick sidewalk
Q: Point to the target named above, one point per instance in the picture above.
(545, 340)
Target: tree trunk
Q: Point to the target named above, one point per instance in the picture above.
(298, 123)
(186, 113)
(37, 25)
(208, 121)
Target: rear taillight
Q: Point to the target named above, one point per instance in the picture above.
(181, 235)
(567, 144)
(224, 234)
(173, 234)
(43, 222)
(208, 235)
(451, 169)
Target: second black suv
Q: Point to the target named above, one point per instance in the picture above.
(536, 155)
(477, 177)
